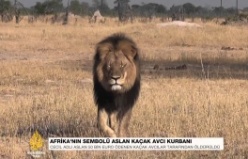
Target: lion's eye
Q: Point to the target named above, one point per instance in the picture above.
(123, 65)
(109, 65)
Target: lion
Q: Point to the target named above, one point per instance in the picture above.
(116, 78)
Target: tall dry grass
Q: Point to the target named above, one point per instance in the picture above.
(45, 84)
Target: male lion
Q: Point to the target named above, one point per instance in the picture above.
(116, 76)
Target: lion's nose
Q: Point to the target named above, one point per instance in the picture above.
(115, 77)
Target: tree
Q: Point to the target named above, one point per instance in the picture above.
(245, 9)
(102, 6)
(124, 10)
(54, 6)
(175, 9)
(75, 7)
(4, 6)
(48, 7)
(85, 8)
(177, 12)
(161, 9)
(154, 8)
(189, 8)
(218, 10)
(230, 11)
(96, 4)
(136, 6)
(39, 8)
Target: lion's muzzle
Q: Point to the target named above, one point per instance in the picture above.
(116, 82)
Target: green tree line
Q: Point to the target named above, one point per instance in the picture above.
(144, 9)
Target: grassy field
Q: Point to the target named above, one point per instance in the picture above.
(46, 84)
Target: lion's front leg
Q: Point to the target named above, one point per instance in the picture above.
(124, 123)
(113, 123)
(102, 119)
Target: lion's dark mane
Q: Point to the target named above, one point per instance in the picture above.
(116, 101)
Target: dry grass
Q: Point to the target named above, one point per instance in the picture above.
(45, 84)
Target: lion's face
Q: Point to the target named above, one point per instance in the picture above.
(116, 71)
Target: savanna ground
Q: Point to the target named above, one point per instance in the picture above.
(46, 84)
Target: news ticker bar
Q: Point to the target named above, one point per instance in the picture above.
(162, 144)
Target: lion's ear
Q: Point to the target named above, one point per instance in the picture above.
(103, 50)
(132, 52)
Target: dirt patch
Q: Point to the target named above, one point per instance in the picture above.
(179, 24)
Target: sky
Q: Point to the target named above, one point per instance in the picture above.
(167, 3)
